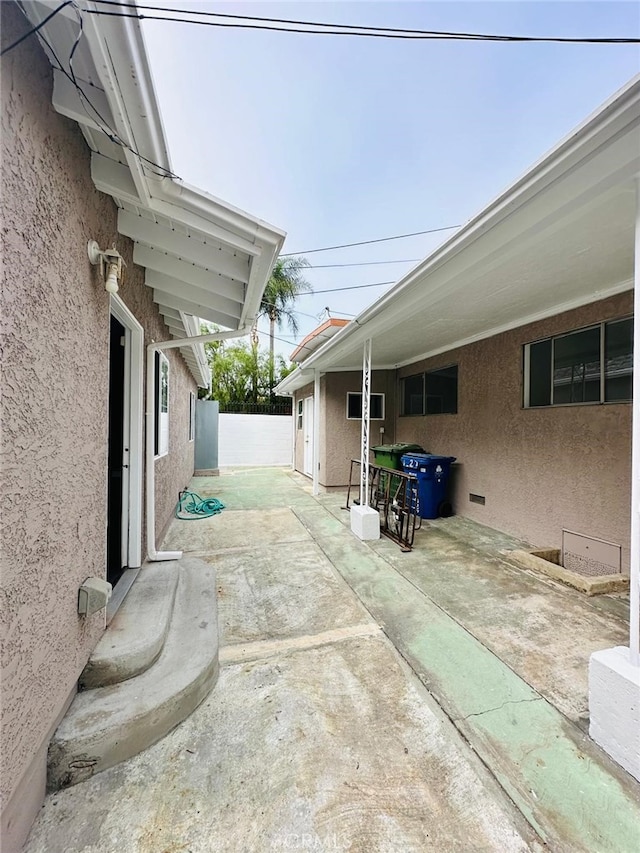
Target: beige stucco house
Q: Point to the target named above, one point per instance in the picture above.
(88, 349)
(511, 347)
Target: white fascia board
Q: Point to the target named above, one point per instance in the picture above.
(68, 102)
(118, 52)
(294, 381)
(194, 200)
(192, 247)
(192, 329)
(261, 241)
(617, 115)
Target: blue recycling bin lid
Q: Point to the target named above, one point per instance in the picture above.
(414, 461)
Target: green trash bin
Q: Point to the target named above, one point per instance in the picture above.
(390, 455)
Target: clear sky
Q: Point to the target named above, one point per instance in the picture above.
(338, 139)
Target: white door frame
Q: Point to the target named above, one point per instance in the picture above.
(133, 449)
(307, 435)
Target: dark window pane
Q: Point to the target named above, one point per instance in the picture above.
(354, 405)
(375, 407)
(540, 373)
(618, 347)
(413, 395)
(442, 390)
(576, 367)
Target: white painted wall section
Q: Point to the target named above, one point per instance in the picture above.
(255, 440)
(614, 706)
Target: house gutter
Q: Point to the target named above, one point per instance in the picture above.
(153, 555)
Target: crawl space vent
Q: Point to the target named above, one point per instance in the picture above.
(588, 556)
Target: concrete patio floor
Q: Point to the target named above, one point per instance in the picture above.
(369, 700)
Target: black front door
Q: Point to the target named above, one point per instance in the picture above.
(115, 564)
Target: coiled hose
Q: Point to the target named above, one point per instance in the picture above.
(191, 506)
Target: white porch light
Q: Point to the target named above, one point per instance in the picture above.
(111, 264)
(614, 674)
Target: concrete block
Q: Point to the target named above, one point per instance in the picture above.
(614, 706)
(365, 522)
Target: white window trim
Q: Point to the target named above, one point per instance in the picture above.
(162, 418)
(359, 394)
(526, 363)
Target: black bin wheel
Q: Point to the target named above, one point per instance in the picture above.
(445, 510)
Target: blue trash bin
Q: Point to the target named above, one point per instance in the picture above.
(432, 473)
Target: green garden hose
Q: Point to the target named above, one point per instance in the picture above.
(196, 507)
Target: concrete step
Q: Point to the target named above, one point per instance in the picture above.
(110, 724)
(135, 638)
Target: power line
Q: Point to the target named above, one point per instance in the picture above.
(102, 124)
(368, 242)
(35, 29)
(361, 264)
(323, 28)
(353, 287)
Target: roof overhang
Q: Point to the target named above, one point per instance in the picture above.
(204, 259)
(561, 236)
(316, 338)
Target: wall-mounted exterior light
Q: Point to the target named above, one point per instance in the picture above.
(111, 265)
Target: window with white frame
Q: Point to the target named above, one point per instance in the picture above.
(590, 365)
(162, 404)
(354, 406)
(434, 392)
(192, 416)
(300, 410)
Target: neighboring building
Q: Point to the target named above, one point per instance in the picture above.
(510, 348)
(93, 165)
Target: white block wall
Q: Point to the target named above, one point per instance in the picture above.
(254, 440)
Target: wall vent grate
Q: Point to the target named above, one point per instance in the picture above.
(476, 499)
(589, 556)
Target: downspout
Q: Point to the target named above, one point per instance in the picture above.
(316, 433)
(150, 419)
(634, 579)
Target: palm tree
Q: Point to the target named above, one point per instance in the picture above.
(285, 285)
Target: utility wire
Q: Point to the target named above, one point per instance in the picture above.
(368, 242)
(35, 29)
(362, 264)
(323, 28)
(101, 122)
(353, 287)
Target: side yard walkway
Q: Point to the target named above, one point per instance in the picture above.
(368, 700)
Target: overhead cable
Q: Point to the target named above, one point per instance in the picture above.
(362, 264)
(323, 28)
(368, 242)
(35, 29)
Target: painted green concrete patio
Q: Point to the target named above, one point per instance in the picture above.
(503, 652)
(369, 700)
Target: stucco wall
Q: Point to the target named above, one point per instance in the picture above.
(55, 325)
(341, 439)
(539, 469)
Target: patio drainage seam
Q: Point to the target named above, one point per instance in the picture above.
(498, 708)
